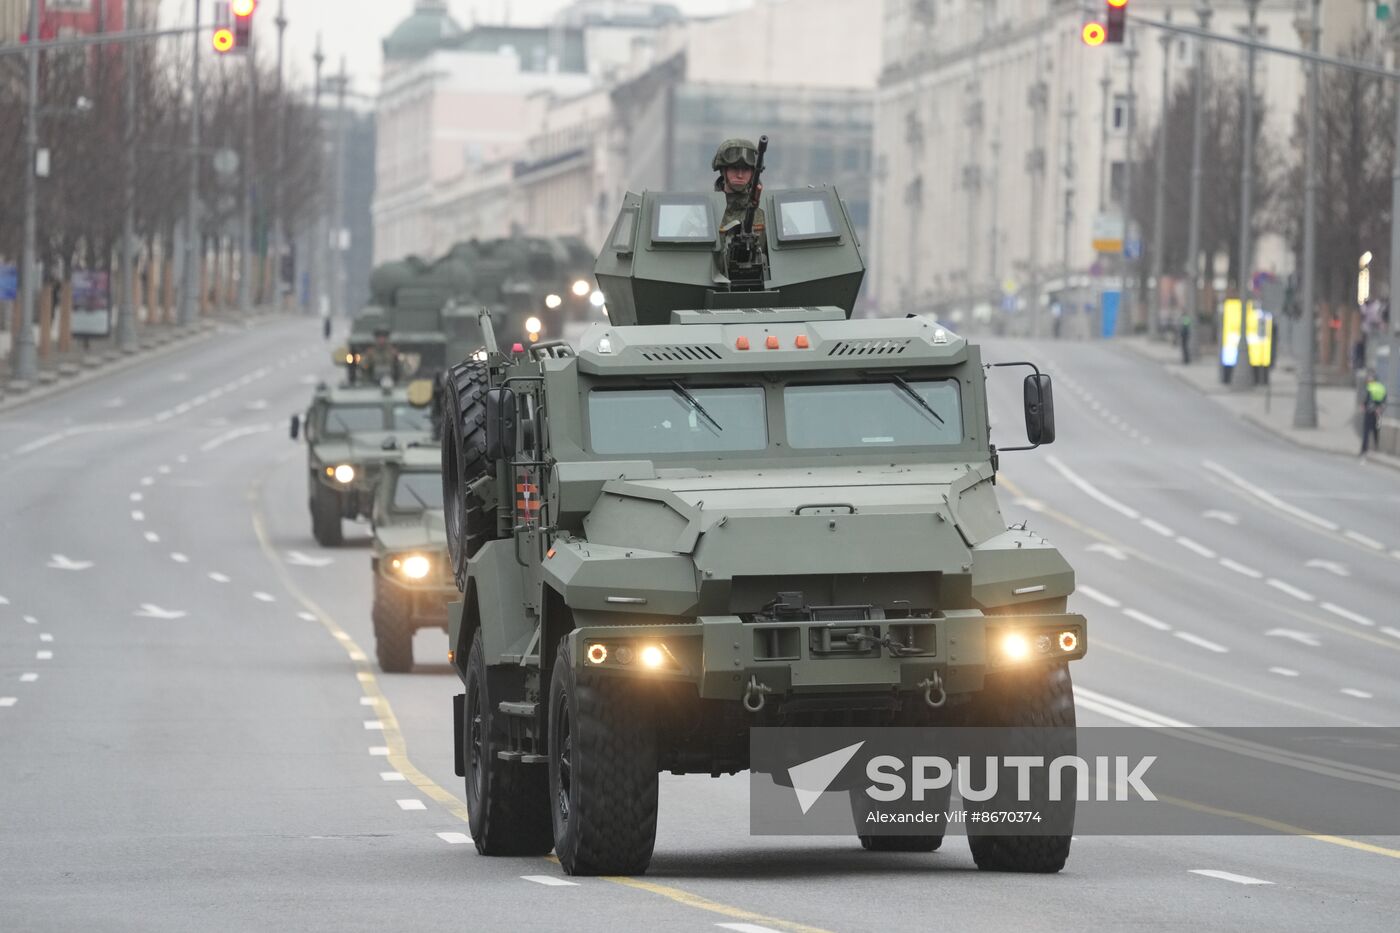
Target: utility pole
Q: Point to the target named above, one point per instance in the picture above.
(319, 233)
(1104, 84)
(1305, 405)
(1159, 206)
(1247, 167)
(194, 246)
(1038, 98)
(1395, 213)
(24, 363)
(1193, 234)
(279, 130)
(996, 198)
(342, 85)
(1067, 220)
(1130, 126)
(245, 246)
(126, 308)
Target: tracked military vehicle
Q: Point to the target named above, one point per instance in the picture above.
(351, 432)
(731, 506)
(412, 579)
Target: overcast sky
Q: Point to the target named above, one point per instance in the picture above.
(355, 28)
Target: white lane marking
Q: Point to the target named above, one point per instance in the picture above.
(260, 596)
(43, 655)
(1283, 671)
(1336, 568)
(1228, 876)
(1347, 614)
(152, 611)
(182, 459)
(1151, 524)
(343, 636)
(1269, 498)
(374, 725)
(369, 701)
(550, 880)
(1200, 642)
(1365, 540)
(391, 776)
(45, 636)
(1395, 554)
(28, 678)
(136, 497)
(1107, 549)
(745, 928)
(179, 558)
(4, 601)
(137, 515)
(379, 751)
(1035, 505)
(1200, 549)
(31, 620)
(163, 469)
(219, 577)
(60, 562)
(1098, 597)
(1302, 638)
(298, 559)
(455, 839)
(8, 701)
(1090, 490)
(1215, 515)
(307, 616)
(358, 656)
(1290, 589)
(152, 537)
(1147, 620)
(1237, 567)
(411, 804)
(1359, 694)
(147, 481)
(1392, 632)
(233, 435)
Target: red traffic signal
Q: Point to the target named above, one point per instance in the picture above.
(1093, 34)
(1115, 20)
(242, 22)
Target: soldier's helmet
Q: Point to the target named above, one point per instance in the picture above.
(735, 152)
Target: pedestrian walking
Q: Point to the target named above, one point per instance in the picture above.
(1372, 404)
(1186, 340)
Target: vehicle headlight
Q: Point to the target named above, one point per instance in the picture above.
(413, 566)
(581, 288)
(552, 301)
(344, 474)
(597, 299)
(533, 326)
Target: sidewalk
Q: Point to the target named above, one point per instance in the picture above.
(61, 372)
(1271, 407)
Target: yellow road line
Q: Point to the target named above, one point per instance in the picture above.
(1283, 828)
(398, 748)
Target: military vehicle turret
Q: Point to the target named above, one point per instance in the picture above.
(412, 579)
(731, 506)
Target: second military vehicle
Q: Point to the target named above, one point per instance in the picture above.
(351, 431)
(731, 506)
(412, 578)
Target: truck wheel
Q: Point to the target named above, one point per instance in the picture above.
(1039, 704)
(602, 773)
(325, 517)
(393, 637)
(507, 802)
(469, 523)
(915, 713)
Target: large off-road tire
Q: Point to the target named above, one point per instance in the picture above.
(469, 523)
(602, 772)
(507, 801)
(393, 636)
(1038, 703)
(325, 516)
(916, 713)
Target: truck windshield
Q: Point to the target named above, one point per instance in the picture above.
(868, 415)
(418, 492)
(409, 418)
(349, 419)
(677, 420)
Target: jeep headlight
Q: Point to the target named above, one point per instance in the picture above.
(344, 474)
(413, 566)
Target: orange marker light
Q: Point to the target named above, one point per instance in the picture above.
(742, 343)
(597, 654)
(772, 342)
(549, 553)
(802, 343)
(1093, 34)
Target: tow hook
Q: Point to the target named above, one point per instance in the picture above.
(931, 686)
(756, 695)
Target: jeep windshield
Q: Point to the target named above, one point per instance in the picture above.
(409, 418)
(352, 419)
(677, 420)
(417, 492)
(897, 413)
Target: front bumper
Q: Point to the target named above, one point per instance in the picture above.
(720, 655)
(357, 496)
(424, 604)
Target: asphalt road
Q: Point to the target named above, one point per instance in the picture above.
(191, 736)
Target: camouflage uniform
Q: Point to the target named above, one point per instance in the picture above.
(736, 152)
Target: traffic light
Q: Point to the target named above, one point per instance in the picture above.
(243, 22)
(1115, 20)
(1093, 34)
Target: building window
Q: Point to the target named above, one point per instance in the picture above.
(1119, 115)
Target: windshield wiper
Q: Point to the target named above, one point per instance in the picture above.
(918, 399)
(694, 403)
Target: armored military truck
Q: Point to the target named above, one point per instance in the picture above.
(351, 432)
(412, 581)
(732, 506)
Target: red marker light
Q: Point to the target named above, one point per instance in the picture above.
(742, 343)
(772, 342)
(1093, 34)
(802, 342)
(223, 40)
(518, 348)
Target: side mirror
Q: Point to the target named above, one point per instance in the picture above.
(500, 424)
(1040, 409)
(296, 426)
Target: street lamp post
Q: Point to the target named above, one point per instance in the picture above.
(189, 301)
(1159, 201)
(1247, 173)
(1129, 264)
(24, 362)
(1305, 405)
(1193, 234)
(126, 309)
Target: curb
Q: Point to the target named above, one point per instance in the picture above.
(150, 347)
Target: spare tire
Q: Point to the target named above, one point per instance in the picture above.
(470, 524)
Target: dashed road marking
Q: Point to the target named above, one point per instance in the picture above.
(1151, 524)
(44, 655)
(1147, 620)
(1283, 671)
(60, 562)
(306, 616)
(374, 725)
(1347, 614)
(358, 656)
(28, 678)
(1290, 589)
(379, 751)
(148, 481)
(1302, 638)
(391, 776)
(411, 804)
(152, 537)
(1392, 632)
(1200, 642)
(179, 558)
(550, 880)
(1090, 490)
(219, 577)
(1228, 876)
(31, 620)
(163, 469)
(369, 701)
(1216, 515)
(455, 839)
(136, 497)
(1365, 540)
(152, 611)
(1237, 567)
(8, 701)
(1098, 597)
(137, 515)
(1267, 497)
(1359, 694)
(1107, 549)
(1336, 568)
(262, 597)
(1200, 549)
(45, 636)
